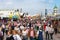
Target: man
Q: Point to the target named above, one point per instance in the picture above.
(47, 30)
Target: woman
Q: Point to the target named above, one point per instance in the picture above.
(9, 36)
(24, 34)
(51, 32)
(31, 34)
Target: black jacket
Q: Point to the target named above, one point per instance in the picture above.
(10, 38)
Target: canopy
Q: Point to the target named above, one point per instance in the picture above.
(15, 16)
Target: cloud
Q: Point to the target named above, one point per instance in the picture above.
(50, 1)
(43, 0)
(9, 3)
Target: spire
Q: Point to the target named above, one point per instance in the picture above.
(55, 7)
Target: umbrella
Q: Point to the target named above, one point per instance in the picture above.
(15, 16)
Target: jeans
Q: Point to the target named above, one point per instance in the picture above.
(25, 38)
(1, 38)
(31, 38)
(51, 35)
(47, 35)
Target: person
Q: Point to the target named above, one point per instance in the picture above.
(40, 34)
(1, 34)
(24, 34)
(7, 28)
(51, 31)
(31, 33)
(55, 27)
(12, 26)
(30, 24)
(21, 27)
(15, 35)
(47, 30)
(55, 30)
(17, 29)
(3, 28)
(36, 27)
(9, 36)
(44, 26)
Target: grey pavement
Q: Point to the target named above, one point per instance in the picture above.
(55, 36)
(4, 36)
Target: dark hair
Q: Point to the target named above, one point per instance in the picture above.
(49, 25)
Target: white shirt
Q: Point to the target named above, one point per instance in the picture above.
(24, 33)
(38, 32)
(17, 37)
(3, 26)
(22, 27)
(51, 30)
(17, 29)
(47, 28)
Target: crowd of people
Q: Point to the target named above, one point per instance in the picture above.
(26, 30)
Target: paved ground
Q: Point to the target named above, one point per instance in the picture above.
(55, 37)
(5, 36)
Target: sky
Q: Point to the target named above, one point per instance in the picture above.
(30, 6)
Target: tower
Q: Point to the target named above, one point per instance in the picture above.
(45, 12)
(55, 10)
